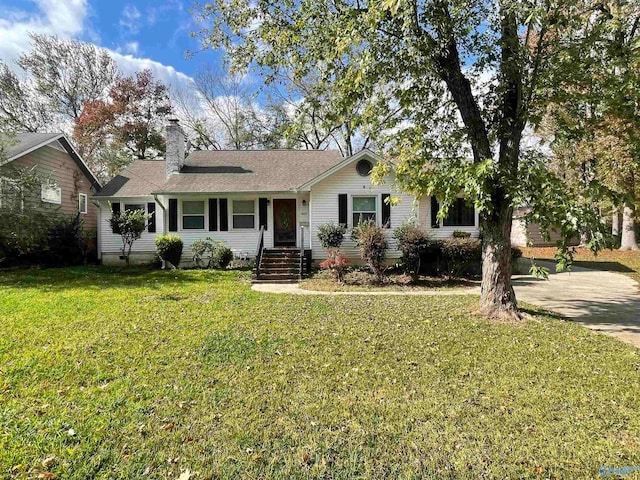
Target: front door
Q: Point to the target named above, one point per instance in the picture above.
(284, 218)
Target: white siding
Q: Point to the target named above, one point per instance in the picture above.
(324, 207)
(111, 242)
(239, 240)
(442, 232)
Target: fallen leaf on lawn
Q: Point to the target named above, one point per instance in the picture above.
(46, 475)
(538, 469)
(47, 462)
(186, 475)
(17, 468)
(168, 426)
(305, 457)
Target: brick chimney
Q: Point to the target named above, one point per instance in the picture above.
(174, 156)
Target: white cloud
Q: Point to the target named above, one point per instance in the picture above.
(130, 19)
(64, 18)
(69, 19)
(130, 64)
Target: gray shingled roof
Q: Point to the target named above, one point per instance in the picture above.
(23, 142)
(137, 180)
(227, 171)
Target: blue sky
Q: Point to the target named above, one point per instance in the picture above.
(139, 34)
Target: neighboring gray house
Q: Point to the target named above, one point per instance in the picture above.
(231, 195)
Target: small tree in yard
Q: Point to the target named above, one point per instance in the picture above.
(130, 224)
(331, 237)
(373, 247)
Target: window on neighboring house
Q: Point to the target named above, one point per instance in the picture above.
(193, 214)
(460, 215)
(364, 209)
(51, 193)
(82, 202)
(244, 214)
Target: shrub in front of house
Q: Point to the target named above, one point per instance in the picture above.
(373, 245)
(456, 256)
(46, 238)
(459, 255)
(336, 264)
(209, 253)
(413, 242)
(222, 255)
(331, 235)
(461, 234)
(169, 248)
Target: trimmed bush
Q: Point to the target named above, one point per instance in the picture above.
(459, 254)
(373, 246)
(413, 243)
(222, 255)
(169, 248)
(331, 235)
(461, 234)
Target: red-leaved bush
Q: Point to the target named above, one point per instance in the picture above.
(336, 263)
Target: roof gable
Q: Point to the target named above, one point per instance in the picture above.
(364, 153)
(26, 143)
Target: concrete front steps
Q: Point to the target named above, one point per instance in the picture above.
(279, 265)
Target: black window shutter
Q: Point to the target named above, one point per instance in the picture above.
(115, 209)
(213, 214)
(151, 209)
(434, 213)
(173, 214)
(224, 215)
(386, 210)
(262, 212)
(342, 209)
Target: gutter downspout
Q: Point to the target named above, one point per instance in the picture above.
(164, 214)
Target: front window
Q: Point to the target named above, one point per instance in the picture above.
(193, 215)
(51, 193)
(82, 203)
(244, 214)
(132, 207)
(460, 215)
(364, 210)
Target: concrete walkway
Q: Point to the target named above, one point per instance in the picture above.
(603, 301)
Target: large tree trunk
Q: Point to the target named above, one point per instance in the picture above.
(628, 240)
(497, 298)
(615, 222)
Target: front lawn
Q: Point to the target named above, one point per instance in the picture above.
(626, 262)
(153, 374)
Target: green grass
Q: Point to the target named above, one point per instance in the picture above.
(161, 372)
(626, 262)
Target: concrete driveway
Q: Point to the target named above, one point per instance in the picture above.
(603, 301)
